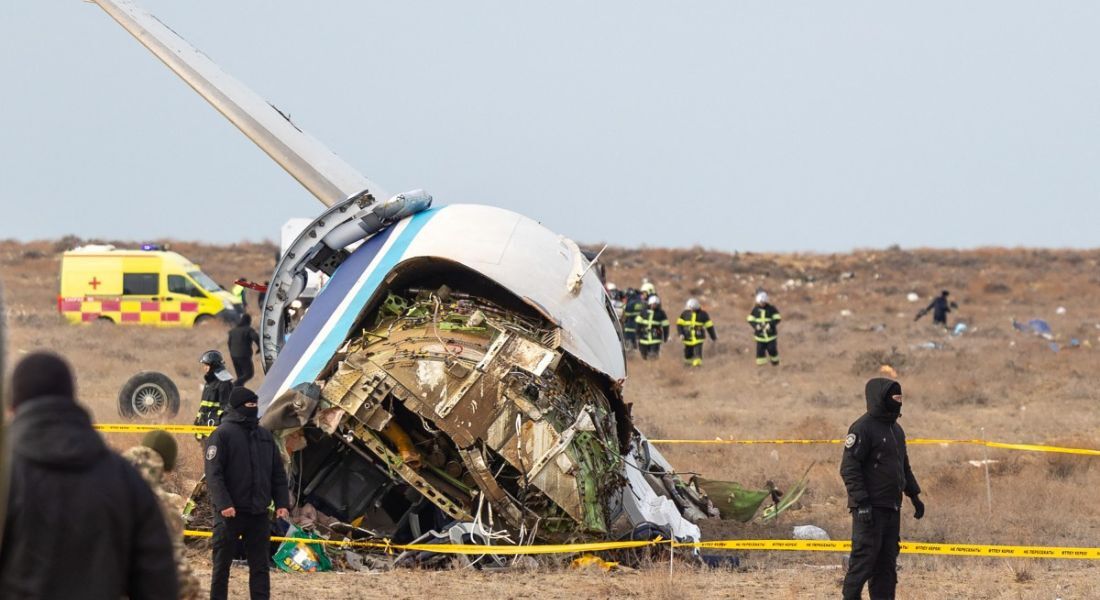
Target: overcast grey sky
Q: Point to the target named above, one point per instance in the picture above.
(734, 125)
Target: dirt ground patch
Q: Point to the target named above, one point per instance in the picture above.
(792, 581)
(842, 313)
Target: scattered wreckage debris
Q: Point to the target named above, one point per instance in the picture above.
(740, 504)
(471, 407)
(1041, 328)
(448, 418)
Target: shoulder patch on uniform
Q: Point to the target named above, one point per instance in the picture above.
(848, 441)
(211, 452)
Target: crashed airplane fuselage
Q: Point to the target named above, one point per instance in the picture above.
(462, 364)
(485, 374)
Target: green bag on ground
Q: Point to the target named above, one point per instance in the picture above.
(302, 557)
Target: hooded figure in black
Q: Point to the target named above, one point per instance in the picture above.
(876, 473)
(242, 339)
(81, 521)
(245, 475)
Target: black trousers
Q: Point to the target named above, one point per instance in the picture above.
(693, 355)
(766, 351)
(630, 338)
(650, 351)
(256, 532)
(874, 555)
(244, 369)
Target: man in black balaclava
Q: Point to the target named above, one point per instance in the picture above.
(876, 472)
(245, 474)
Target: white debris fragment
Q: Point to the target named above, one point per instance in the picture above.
(845, 313)
(430, 373)
(912, 297)
(1061, 310)
(810, 532)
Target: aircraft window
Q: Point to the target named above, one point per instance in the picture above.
(140, 284)
(178, 284)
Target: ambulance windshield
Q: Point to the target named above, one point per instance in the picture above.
(204, 280)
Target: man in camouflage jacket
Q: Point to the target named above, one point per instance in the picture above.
(156, 455)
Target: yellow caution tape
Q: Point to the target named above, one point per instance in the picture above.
(917, 441)
(472, 549)
(803, 545)
(135, 428)
(906, 548)
(987, 550)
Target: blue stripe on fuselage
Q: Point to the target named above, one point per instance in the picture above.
(327, 303)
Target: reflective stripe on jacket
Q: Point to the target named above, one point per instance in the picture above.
(652, 326)
(694, 325)
(630, 314)
(764, 320)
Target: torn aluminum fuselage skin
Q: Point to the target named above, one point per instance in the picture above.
(470, 392)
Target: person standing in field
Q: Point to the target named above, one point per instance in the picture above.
(764, 320)
(694, 325)
(876, 472)
(652, 328)
(633, 306)
(939, 307)
(245, 475)
(239, 292)
(243, 343)
(153, 458)
(81, 521)
(217, 383)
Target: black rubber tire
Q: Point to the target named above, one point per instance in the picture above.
(105, 321)
(202, 321)
(148, 396)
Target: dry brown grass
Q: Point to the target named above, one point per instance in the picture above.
(1009, 383)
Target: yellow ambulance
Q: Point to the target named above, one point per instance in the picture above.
(141, 287)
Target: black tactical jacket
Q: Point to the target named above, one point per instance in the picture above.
(875, 466)
(243, 467)
(81, 522)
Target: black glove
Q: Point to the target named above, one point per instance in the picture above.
(863, 513)
(918, 505)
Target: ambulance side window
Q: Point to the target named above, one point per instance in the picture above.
(140, 284)
(178, 284)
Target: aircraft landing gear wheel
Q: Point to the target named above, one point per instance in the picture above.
(148, 396)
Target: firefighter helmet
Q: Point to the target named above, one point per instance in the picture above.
(692, 304)
(213, 358)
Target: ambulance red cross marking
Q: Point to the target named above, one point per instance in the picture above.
(94, 283)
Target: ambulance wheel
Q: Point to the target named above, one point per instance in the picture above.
(105, 321)
(202, 320)
(149, 395)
